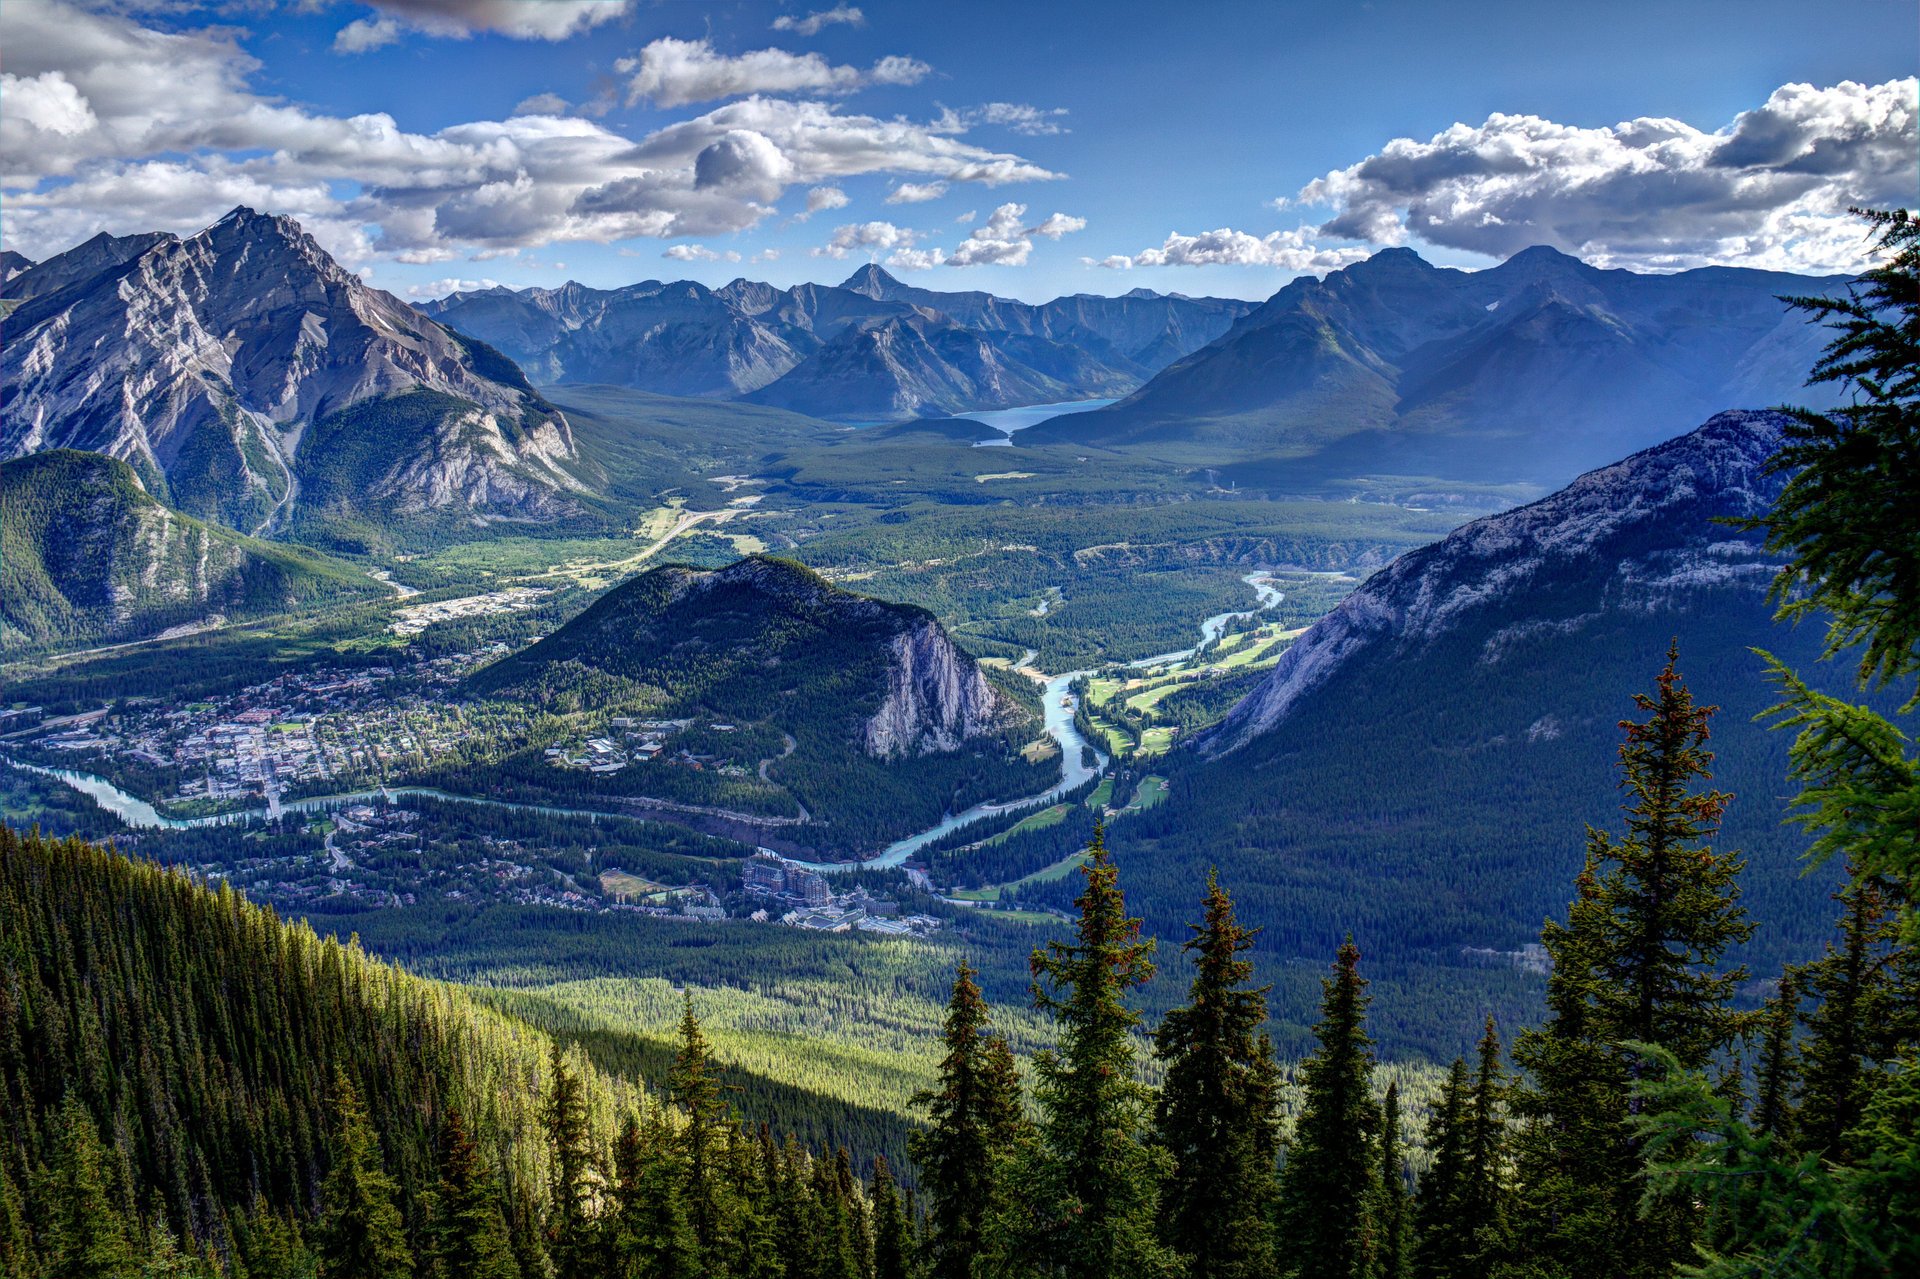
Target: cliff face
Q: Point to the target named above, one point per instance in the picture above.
(937, 697)
(1633, 537)
(205, 363)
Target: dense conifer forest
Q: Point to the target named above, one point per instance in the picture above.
(191, 1086)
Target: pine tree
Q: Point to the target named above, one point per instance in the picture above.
(973, 1121)
(1329, 1184)
(570, 1233)
(1092, 1193)
(360, 1234)
(693, 1087)
(652, 1238)
(1774, 1110)
(86, 1236)
(470, 1230)
(892, 1228)
(1484, 1186)
(1441, 1250)
(1635, 964)
(1394, 1228)
(1218, 1110)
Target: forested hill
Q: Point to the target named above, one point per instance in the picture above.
(87, 554)
(190, 1086)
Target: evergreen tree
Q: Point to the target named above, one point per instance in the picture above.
(570, 1233)
(694, 1087)
(1092, 1196)
(86, 1235)
(652, 1238)
(470, 1230)
(1329, 1184)
(360, 1234)
(892, 1227)
(1774, 1110)
(1484, 1186)
(1441, 1248)
(1394, 1256)
(1218, 1110)
(973, 1120)
(1636, 964)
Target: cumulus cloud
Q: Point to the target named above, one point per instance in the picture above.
(1004, 240)
(451, 284)
(811, 24)
(458, 19)
(916, 259)
(872, 238)
(114, 126)
(821, 199)
(1294, 250)
(673, 73)
(1770, 189)
(1017, 116)
(698, 253)
(966, 219)
(542, 104)
(916, 192)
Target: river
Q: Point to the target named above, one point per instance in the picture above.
(1214, 627)
(1011, 420)
(1056, 710)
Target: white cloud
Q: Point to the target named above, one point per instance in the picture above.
(966, 219)
(698, 253)
(441, 288)
(673, 73)
(1017, 116)
(112, 126)
(868, 237)
(820, 199)
(1770, 189)
(766, 255)
(916, 192)
(365, 34)
(458, 19)
(916, 259)
(542, 104)
(1004, 240)
(813, 22)
(1293, 250)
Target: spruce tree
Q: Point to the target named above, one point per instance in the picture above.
(470, 1231)
(1441, 1250)
(1483, 1190)
(892, 1227)
(86, 1235)
(1329, 1184)
(1637, 963)
(651, 1237)
(1092, 1194)
(973, 1121)
(694, 1088)
(1393, 1218)
(570, 1233)
(360, 1234)
(1218, 1110)
(1777, 1076)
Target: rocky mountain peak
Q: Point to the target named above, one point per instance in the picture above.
(1632, 537)
(873, 281)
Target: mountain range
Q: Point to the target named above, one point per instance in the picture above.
(871, 349)
(1531, 371)
(249, 379)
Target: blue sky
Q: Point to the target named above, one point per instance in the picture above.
(1097, 147)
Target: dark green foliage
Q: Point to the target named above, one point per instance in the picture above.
(1392, 1214)
(1328, 1187)
(974, 1123)
(360, 1234)
(706, 1124)
(1847, 515)
(652, 1238)
(86, 1233)
(1217, 1114)
(1089, 1199)
(893, 1240)
(1776, 1079)
(1441, 1251)
(469, 1232)
(569, 1233)
(1636, 962)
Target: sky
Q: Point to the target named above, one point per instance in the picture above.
(1031, 150)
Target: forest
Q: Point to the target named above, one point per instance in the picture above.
(191, 1086)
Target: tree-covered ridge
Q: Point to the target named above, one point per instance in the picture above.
(86, 553)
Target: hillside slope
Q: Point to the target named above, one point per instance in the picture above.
(86, 554)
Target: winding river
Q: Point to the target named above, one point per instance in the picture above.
(1057, 712)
